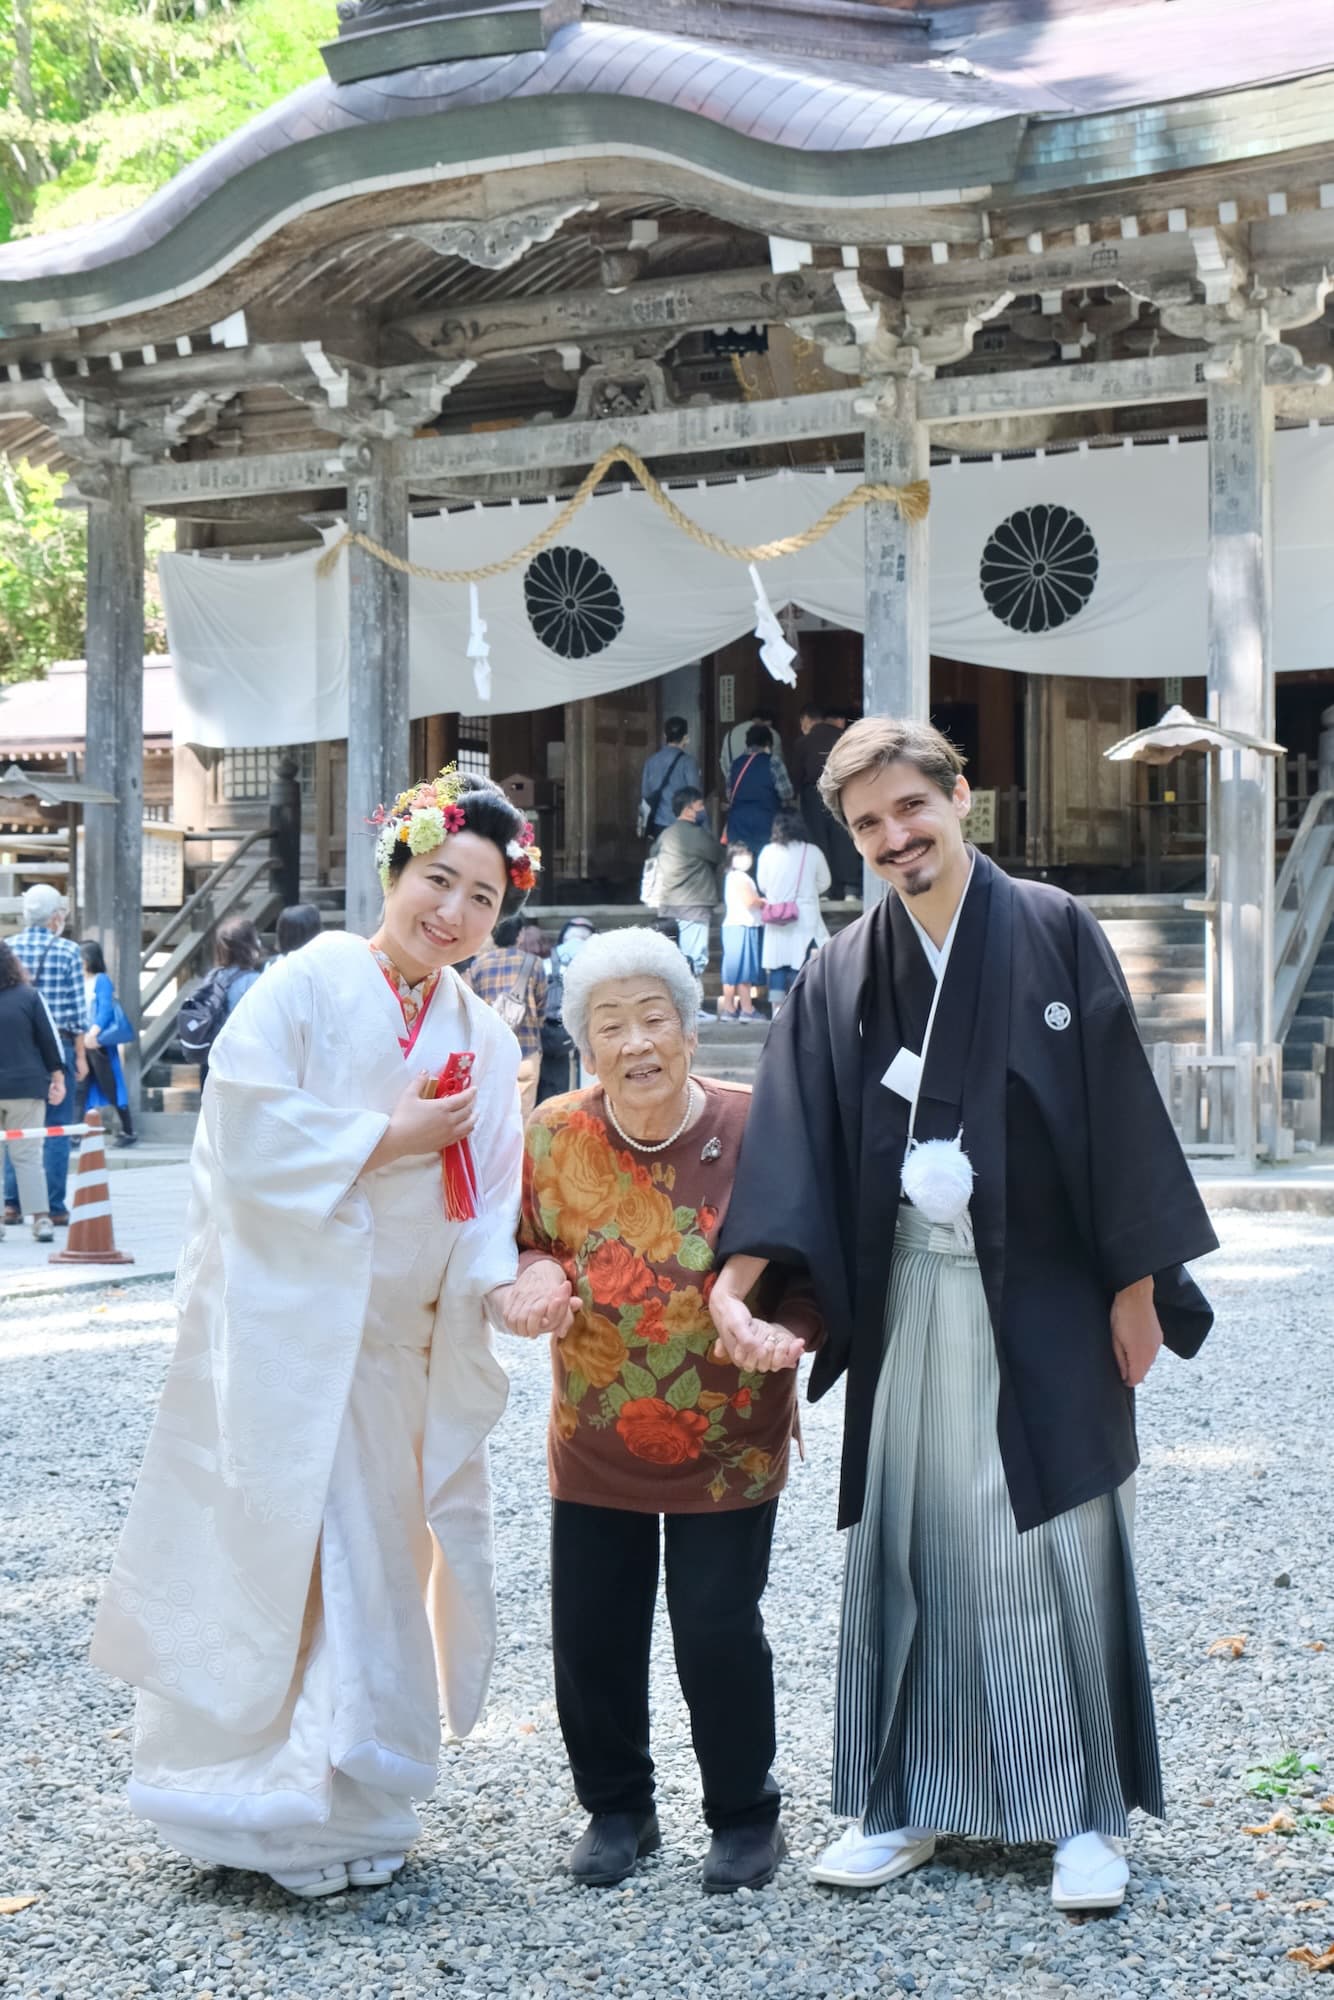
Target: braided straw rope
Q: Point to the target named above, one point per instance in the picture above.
(912, 502)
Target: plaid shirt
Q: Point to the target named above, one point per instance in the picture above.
(55, 966)
(498, 972)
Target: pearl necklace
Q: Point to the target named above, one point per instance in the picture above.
(641, 1145)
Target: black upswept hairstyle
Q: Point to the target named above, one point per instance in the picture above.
(491, 816)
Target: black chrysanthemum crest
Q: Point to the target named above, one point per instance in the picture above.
(572, 604)
(1039, 568)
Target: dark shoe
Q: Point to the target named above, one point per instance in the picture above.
(12, 1214)
(60, 1221)
(743, 1857)
(610, 1846)
(128, 1139)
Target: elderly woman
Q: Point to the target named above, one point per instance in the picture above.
(625, 1187)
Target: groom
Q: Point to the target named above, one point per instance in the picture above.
(992, 1676)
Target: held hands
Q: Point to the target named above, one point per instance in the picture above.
(541, 1300)
(55, 1089)
(1136, 1334)
(749, 1343)
(419, 1125)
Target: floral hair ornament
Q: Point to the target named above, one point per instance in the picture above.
(425, 815)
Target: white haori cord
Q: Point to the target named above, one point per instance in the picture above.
(937, 1173)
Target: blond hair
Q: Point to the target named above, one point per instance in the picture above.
(877, 742)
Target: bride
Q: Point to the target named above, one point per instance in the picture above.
(310, 1538)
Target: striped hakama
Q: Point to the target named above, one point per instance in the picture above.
(990, 1683)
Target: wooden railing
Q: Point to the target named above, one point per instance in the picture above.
(1224, 1107)
(255, 879)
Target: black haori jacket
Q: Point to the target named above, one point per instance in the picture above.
(1081, 1187)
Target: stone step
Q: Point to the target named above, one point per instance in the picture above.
(173, 1099)
(1304, 1056)
(1316, 1034)
(173, 1127)
(1170, 1007)
(1178, 963)
(164, 1075)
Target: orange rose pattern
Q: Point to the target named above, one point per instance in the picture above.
(646, 1220)
(594, 1350)
(634, 1380)
(616, 1277)
(654, 1430)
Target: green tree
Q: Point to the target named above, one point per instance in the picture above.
(43, 574)
(43, 563)
(102, 101)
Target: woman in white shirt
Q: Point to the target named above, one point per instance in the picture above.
(791, 871)
(742, 968)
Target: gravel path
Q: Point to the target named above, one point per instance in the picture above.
(1234, 1539)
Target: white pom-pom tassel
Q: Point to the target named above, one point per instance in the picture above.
(938, 1180)
(774, 649)
(479, 652)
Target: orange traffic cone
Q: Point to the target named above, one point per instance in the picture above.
(92, 1240)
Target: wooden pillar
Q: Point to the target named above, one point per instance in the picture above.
(896, 660)
(1241, 696)
(377, 706)
(896, 650)
(114, 758)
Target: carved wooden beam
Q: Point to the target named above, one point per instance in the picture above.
(694, 431)
(684, 305)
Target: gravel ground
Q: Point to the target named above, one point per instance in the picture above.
(1234, 1540)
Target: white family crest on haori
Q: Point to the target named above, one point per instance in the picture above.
(1057, 1015)
(307, 1564)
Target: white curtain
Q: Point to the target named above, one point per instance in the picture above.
(1110, 543)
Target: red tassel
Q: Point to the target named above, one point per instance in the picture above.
(460, 1182)
(458, 1173)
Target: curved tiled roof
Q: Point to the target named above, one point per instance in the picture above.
(420, 121)
(842, 137)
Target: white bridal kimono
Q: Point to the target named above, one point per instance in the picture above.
(310, 1538)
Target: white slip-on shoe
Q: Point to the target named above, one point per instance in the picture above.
(858, 1860)
(313, 1882)
(1088, 1874)
(372, 1871)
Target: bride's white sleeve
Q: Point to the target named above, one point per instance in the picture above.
(275, 1145)
(486, 1253)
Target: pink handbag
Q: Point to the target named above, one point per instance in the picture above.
(784, 913)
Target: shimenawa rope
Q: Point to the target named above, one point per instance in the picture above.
(912, 502)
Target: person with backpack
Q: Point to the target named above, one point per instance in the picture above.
(54, 965)
(665, 772)
(238, 960)
(513, 982)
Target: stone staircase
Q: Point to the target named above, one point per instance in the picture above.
(1161, 946)
(1308, 1073)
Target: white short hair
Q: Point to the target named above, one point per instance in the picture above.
(632, 953)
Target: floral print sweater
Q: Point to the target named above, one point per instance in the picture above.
(641, 1418)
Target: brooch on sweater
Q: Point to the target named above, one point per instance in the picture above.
(712, 1149)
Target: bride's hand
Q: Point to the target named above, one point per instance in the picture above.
(420, 1125)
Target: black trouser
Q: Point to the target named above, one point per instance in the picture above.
(604, 1584)
(101, 1073)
